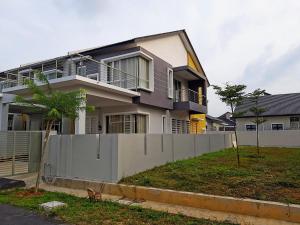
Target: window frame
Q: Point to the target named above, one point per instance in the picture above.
(104, 116)
(250, 125)
(170, 83)
(150, 60)
(183, 128)
(164, 124)
(277, 124)
(79, 67)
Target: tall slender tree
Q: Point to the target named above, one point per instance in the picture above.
(52, 104)
(232, 96)
(257, 110)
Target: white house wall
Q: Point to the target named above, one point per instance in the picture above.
(171, 49)
(285, 120)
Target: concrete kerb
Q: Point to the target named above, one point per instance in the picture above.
(250, 207)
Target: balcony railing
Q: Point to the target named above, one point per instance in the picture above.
(188, 95)
(76, 65)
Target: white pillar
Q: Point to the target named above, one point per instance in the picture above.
(80, 122)
(3, 116)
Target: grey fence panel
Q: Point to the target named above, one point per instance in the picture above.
(202, 144)
(283, 138)
(112, 157)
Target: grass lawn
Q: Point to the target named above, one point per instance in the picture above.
(82, 212)
(274, 176)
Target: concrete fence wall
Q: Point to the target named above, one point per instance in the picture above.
(111, 157)
(283, 138)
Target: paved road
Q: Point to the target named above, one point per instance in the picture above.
(10, 215)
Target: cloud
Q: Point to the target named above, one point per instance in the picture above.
(251, 41)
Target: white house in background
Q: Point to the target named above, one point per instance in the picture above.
(150, 84)
(283, 113)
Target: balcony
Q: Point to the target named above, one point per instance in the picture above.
(64, 68)
(187, 99)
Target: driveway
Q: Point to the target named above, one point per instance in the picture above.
(11, 215)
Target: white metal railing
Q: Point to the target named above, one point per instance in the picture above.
(184, 95)
(75, 65)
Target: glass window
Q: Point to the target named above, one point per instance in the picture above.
(129, 123)
(143, 73)
(250, 127)
(294, 122)
(81, 70)
(170, 83)
(277, 126)
(177, 90)
(126, 72)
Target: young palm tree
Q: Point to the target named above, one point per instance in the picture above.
(52, 104)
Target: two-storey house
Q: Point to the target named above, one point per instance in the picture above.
(150, 84)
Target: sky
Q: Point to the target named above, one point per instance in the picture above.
(251, 42)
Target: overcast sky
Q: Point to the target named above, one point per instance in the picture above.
(252, 42)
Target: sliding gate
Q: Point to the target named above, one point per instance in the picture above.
(19, 152)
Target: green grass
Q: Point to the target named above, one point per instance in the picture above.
(273, 176)
(82, 212)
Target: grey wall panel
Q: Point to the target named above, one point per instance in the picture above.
(216, 142)
(285, 138)
(202, 144)
(184, 146)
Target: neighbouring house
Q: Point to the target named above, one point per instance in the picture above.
(283, 113)
(150, 84)
(214, 123)
(225, 122)
(228, 120)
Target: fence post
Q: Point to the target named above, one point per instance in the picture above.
(209, 144)
(162, 142)
(172, 139)
(14, 152)
(195, 150)
(145, 144)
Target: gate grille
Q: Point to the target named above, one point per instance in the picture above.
(15, 148)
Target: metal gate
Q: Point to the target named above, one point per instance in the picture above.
(19, 152)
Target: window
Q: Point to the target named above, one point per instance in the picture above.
(277, 126)
(10, 122)
(170, 83)
(180, 126)
(81, 70)
(128, 124)
(250, 127)
(177, 91)
(294, 122)
(164, 124)
(129, 73)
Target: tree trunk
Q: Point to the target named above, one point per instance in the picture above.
(237, 147)
(257, 138)
(236, 139)
(45, 143)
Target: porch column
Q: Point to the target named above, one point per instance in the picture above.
(80, 122)
(3, 116)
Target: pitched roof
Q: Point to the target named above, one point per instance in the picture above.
(214, 119)
(229, 121)
(276, 105)
(133, 40)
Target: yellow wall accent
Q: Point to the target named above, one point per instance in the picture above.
(191, 62)
(200, 95)
(197, 123)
